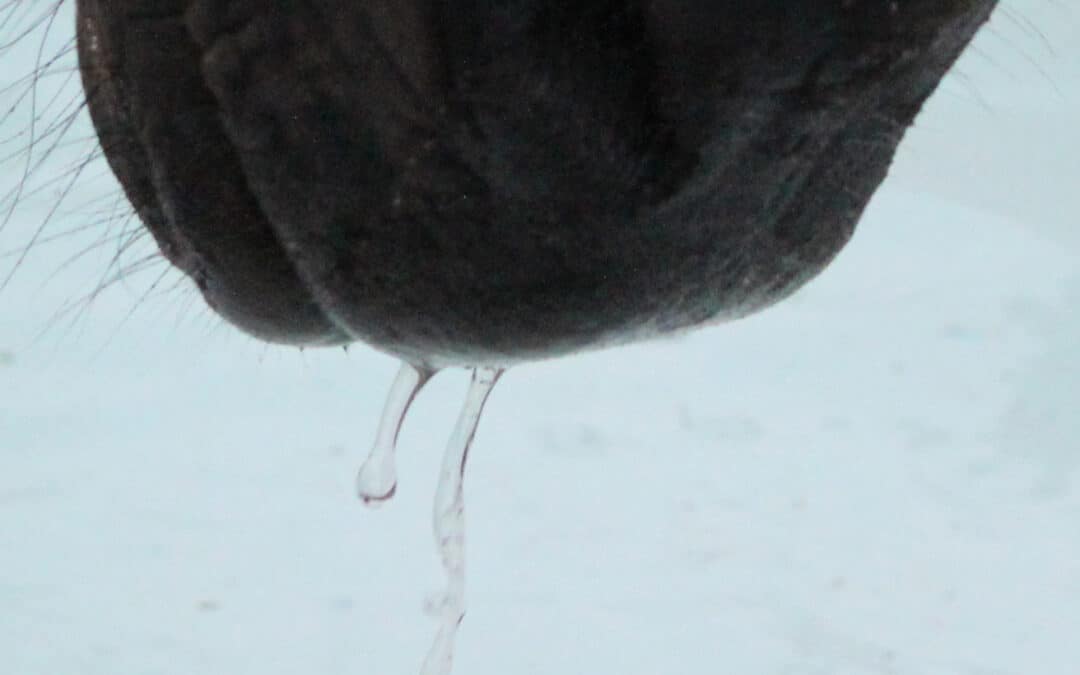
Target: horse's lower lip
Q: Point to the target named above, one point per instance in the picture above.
(504, 184)
(160, 131)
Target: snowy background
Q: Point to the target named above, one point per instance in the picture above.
(878, 477)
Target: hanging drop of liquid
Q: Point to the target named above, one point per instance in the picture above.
(449, 524)
(377, 480)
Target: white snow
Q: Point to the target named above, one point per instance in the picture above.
(876, 477)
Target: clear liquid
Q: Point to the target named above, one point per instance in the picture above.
(376, 481)
(448, 524)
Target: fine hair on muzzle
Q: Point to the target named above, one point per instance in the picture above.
(481, 183)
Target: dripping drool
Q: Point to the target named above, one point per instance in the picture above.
(377, 482)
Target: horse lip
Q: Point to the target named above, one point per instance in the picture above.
(152, 115)
(483, 210)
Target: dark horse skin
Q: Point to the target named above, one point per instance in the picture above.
(475, 182)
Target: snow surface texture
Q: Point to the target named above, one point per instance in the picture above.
(878, 476)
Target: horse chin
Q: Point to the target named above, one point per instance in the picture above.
(473, 183)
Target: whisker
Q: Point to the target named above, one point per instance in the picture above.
(49, 22)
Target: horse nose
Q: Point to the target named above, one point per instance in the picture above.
(482, 183)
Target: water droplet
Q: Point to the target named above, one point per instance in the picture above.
(449, 524)
(377, 480)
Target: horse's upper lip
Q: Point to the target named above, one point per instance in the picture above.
(487, 182)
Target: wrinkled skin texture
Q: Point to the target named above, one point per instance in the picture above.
(481, 182)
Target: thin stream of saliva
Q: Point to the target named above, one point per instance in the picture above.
(376, 481)
(449, 523)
